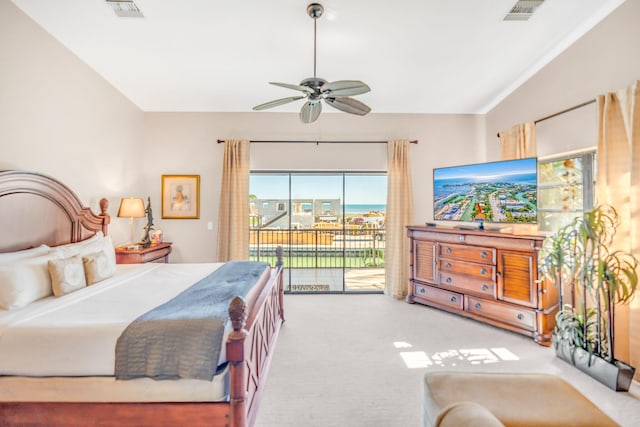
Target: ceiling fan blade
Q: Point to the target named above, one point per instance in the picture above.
(305, 89)
(345, 88)
(276, 102)
(348, 105)
(310, 111)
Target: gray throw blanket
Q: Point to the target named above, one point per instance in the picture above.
(182, 338)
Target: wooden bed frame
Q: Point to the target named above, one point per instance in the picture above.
(36, 209)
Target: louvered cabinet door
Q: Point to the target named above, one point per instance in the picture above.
(424, 261)
(517, 277)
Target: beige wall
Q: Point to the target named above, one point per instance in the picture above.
(183, 143)
(58, 117)
(607, 58)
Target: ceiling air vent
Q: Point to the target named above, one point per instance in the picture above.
(522, 10)
(125, 8)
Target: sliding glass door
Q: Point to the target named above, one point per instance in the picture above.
(330, 224)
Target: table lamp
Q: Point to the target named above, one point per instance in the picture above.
(131, 207)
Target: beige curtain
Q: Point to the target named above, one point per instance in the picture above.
(233, 218)
(618, 184)
(519, 142)
(399, 215)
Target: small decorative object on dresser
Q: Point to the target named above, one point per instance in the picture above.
(146, 239)
(485, 275)
(181, 196)
(154, 253)
(155, 236)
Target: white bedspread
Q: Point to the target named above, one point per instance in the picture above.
(75, 335)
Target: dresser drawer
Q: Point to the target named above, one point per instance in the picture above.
(466, 284)
(520, 317)
(480, 271)
(468, 253)
(440, 296)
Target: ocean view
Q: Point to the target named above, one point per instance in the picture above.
(351, 209)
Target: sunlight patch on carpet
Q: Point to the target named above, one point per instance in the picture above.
(452, 358)
(416, 359)
(401, 344)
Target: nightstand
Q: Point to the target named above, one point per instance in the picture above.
(154, 253)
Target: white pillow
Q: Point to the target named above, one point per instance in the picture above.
(97, 243)
(10, 257)
(24, 282)
(75, 247)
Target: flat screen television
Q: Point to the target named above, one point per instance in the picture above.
(495, 192)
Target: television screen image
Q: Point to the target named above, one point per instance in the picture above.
(498, 192)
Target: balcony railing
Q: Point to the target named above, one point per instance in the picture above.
(321, 248)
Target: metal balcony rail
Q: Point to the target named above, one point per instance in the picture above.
(320, 247)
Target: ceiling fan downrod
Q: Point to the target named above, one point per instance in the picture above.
(315, 10)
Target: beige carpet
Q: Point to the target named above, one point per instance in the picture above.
(358, 360)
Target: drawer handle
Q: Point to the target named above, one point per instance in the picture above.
(484, 287)
(483, 271)
(448, 250)
(422, 291)
(448, 280)
(520, 316)
(477, 306)
(452, 299)
(447, 265)
(483, 254)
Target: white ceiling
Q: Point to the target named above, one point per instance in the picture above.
(418, 56)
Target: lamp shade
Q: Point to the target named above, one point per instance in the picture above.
(131, 208)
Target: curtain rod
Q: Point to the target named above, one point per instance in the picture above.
(575, 107)
(550, 116)
(220, 141)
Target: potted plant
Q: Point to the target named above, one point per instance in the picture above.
(591, 279)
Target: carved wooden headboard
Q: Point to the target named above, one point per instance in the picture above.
(36, 209)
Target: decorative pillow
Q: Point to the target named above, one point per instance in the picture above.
(11, 257)
(24, 281)
(67, 275)
(97, 267)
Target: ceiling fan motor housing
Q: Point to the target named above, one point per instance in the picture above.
(314, 83)
(315, 10)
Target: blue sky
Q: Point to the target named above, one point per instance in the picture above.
(359, 189)
(510, 167)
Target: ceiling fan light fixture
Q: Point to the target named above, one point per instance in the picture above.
(337, 94)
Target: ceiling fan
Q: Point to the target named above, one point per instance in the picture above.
(315, 89)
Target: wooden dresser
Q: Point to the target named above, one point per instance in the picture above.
(489, 276)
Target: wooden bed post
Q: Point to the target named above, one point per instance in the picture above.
(106, 219)
(236, 358)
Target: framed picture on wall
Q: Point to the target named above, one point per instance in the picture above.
(181, 196)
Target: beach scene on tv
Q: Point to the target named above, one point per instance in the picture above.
(502, 192)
